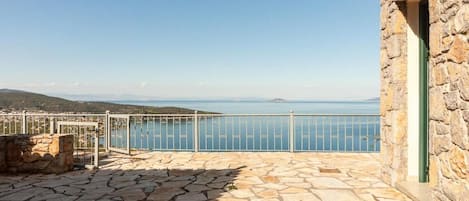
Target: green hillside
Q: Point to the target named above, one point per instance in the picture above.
(15, 100)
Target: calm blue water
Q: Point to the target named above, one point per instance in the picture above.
(264, 107)
(259, 133)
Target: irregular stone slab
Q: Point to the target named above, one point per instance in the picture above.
(380, 185)
(216, 173)
(125, 178)
(252, 180)
(242, 193)
(67, 190)
(131, 194)
(162, 179)
(293, 190)
(91, 186)
(165, 193)
(14, 190)
(175, 184)
(268, 194)
(55, 183)
(191, 197)
(299, 185)
(213, 194)
(270, 179)
(273, 186)
(291, 179)
(95, 194)
(299, 197)
(385, 193)
(327, 182)
(217, 185)
(203, 180)
(26, 182)
(231, 199)
(336, 195)
(264, 199)
(53, 196)
(101, 178)
(142, 185)
(25, 194)
(285, 174)
(67, 198)
(6, 187)
(196, 188)
(188, 172)
(223, 179)
(121, 184)
(183, 178)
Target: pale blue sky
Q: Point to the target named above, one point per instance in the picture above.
(192, 49)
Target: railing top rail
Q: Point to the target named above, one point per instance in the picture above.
(182, 115)
(15, 114)
(156, 115)
(337, 115)
(222, 115)
(64, 114)
(217, 115)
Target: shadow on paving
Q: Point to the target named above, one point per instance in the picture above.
(119, 184)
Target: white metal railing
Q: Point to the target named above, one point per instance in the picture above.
(88, 130)
(216, 132)
(11, 124)
(256, 132)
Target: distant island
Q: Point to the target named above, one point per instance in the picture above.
(373, 99)
(17, 101)
(278, 100)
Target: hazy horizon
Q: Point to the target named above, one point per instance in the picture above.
(133, 97)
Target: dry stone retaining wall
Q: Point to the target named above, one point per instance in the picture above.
(37, 153)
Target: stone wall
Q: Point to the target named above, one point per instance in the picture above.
(36, 153)
(393, 107)
(449, 99)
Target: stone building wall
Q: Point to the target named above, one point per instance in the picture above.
(38, 153)
(448, 96)
(449, 99)
(393, 107)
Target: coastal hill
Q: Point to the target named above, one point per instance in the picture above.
(16, 100)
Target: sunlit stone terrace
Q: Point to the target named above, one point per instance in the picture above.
(212, 176)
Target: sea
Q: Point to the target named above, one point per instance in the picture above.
(268, 107)
(354, 127)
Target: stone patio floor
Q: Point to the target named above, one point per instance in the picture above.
(212, 176)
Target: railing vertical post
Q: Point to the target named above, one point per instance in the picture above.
(128, 135)
(96, 148)
(291, 133)
(52, 125)
(107, 137)
(23, 128)
(196, 132)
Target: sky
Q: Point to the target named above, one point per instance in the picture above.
(192, 49)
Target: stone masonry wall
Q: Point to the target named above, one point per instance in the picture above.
(393, 107)
(38, 153)
(449, 99)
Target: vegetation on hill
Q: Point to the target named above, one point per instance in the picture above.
(15, 100)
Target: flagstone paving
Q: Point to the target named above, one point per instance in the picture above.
(161, 176)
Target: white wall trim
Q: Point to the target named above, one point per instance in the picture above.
(413, 90)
